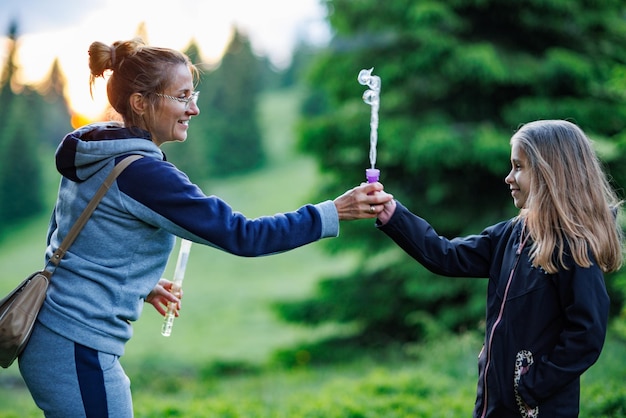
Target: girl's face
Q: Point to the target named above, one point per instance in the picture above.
(172, 116)
(519, 177)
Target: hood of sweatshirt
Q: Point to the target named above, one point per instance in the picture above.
(85, 151)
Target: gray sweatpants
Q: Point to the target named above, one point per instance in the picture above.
(69, 380)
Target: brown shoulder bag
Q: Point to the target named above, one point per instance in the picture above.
(19, 309)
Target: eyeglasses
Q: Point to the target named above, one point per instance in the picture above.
(193, 98)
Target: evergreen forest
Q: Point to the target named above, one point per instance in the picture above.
(365, 331)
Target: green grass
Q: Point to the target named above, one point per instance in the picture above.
(226, 314)
(217, 361)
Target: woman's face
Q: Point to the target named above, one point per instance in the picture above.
(519, 177)
(172, 116)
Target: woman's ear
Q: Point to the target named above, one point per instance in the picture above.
(138, 103)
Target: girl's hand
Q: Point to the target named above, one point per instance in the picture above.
(388, 209)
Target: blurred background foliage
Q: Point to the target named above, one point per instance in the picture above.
(458, 78)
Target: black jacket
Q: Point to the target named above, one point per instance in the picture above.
(560, 318)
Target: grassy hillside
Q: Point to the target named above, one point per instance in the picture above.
(226, 315)
(226, 312)
(215, 364)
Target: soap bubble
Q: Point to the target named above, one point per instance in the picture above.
(372, 98)
(367, 79)
(364, 76)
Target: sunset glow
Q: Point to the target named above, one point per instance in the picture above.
(173, 24)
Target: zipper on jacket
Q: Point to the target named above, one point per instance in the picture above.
(518, 253)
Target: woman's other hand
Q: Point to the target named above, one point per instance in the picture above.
(161, 295)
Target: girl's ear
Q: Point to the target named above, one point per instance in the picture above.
(138, 103)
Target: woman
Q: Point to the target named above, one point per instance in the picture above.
(71, 364)
(547, 306)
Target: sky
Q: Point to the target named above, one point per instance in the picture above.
(64, 29)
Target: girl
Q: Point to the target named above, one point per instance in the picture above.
(547, 306)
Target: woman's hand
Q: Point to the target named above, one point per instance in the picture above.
(161, 295)
(362, 202)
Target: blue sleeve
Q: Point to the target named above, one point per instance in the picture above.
(161, 195)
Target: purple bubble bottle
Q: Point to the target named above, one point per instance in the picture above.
(372, 175)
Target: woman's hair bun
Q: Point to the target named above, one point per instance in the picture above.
(103, 57)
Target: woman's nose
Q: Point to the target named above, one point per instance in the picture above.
(193, 109)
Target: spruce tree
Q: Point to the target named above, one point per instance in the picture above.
(233, 138)
(458, 78)
(8, 70)
(20, 173)
(190, 156)
(52, 107)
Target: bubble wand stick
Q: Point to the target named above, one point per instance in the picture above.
(177, 284)
(372, 98)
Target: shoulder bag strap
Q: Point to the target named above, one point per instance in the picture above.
(84, 217)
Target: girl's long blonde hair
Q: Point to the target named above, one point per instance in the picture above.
(571, 205)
